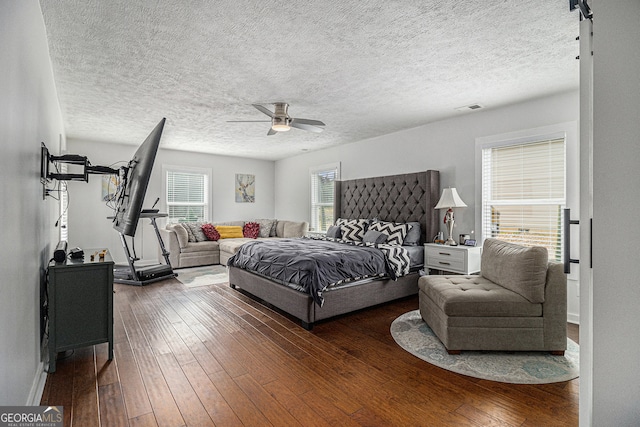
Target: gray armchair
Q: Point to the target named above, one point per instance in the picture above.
(517, 303)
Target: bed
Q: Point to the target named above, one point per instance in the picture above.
(397, 198)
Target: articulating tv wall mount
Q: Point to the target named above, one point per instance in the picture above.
(46, 175)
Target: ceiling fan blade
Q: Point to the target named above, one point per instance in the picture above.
(248, 121)
(305, 126)
(263, 109)
(308, 122)
(271, 132)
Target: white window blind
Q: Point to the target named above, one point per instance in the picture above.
(322, 190)
(187, 196)
(523, 194)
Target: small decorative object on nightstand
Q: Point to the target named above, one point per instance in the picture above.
(456, 259)
(450, 199)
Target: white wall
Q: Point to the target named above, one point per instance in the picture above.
(29, 114)
(88, 224)
(448, 146)
(616, 203)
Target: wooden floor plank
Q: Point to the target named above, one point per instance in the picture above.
(186, 398)
(105, 369)
(294, 405)
(133, 389)
(164, 406)
(112, 407)
(218, 408)
(269, 406)
(147, 420)
(61, 388)
(243, 407)
(211, 355)
(85, 395)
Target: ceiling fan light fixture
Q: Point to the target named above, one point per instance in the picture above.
(280, 124)
(281, 127)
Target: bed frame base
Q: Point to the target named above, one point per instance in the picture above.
(336, 302)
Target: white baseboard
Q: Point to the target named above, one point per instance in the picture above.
(37, 388)
(573, 318)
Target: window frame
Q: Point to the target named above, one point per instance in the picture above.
(313, 171)
(207, 172)
(566, 130)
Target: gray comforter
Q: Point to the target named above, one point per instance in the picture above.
(314, 265)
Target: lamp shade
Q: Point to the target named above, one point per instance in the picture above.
(450, 199)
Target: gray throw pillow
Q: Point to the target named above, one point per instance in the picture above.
(373, 236)
(335, 232)
(266, 225)
(413, 236)
(194, 230)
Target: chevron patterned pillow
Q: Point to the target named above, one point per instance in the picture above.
(353, 229)
(396, 231)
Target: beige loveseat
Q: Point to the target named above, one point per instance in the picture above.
(186, 252)
(517, 303)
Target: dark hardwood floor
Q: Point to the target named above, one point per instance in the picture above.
(209, 356)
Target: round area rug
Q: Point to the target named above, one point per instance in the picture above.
(415, 336)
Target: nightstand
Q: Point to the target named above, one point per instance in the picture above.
(454, 259)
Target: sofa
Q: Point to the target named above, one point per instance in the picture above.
(188, 248)
(518, 302)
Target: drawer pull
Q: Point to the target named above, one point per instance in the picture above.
(444, 253)
(444, 263)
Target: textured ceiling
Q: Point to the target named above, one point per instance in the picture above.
(365, 68)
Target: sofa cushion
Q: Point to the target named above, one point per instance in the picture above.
(229, 231)
(231, 246)
(518, 268)
(236, 223)
(205, 246)
(251, 230)
(291, 229)
(181, 234)
(267, 227)
(475, 296)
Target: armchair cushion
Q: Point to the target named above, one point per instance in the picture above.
(520, 269)
(475, 296)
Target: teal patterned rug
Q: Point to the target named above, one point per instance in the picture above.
(415, 336)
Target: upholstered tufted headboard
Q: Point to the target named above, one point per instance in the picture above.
(398, 198)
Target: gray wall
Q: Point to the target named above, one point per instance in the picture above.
(29, 114)
(616, 203)
(88, 224)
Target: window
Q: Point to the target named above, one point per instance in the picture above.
(322, 187)
(524, 192)
(187, 194)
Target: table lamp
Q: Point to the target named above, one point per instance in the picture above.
(449, 200)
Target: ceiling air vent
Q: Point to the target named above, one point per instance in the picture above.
(470, 107)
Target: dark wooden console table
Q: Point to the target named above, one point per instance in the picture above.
(80, 303)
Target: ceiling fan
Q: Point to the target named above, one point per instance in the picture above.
(282, 122)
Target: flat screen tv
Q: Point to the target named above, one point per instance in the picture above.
(134, 179)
